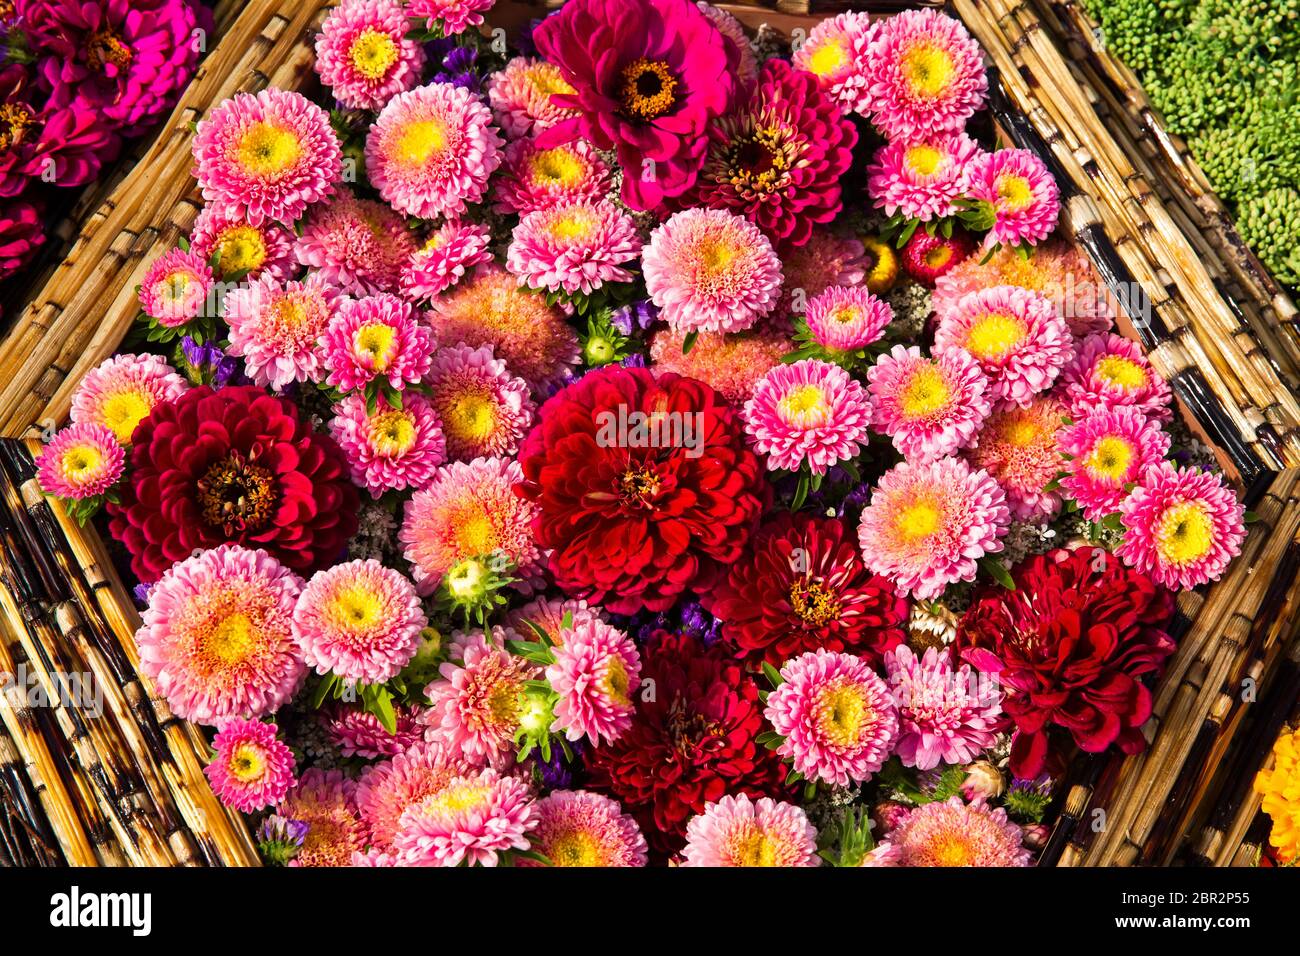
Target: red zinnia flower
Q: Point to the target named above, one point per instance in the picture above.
(690, 743)
(1069, 646)
(645, 487)
(802, 586)
(233, 465)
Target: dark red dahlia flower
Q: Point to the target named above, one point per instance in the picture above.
(233, 465)
(778, 158)
(802, 585)
(691, 743)
(645, 486)
(1070, 645)
(649, 78)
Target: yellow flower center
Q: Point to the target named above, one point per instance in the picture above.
(845, 314)
(804, 407)
(814, 603)
(80, 461)
(828, 58)
(247, 763)
(938, 257)
(925, 394)
(993, 335)
(923, 159)
(122, 411)
(378, 341)
(1121, 372)
(1020, 430)
(841, 711)
(392, 433)
(1112, 457)
(173, 285)
(231, 639)
(1014, 193)
(951, 850)
(241, 249)
(575, 848)
(754, 848)
(928, 69)
(420, 141)
(355, 608)
(373, 53)
(560, 166)
(574, 224)
(268, 150)
(647, 89)
(547, 80)
(470, 418)
(457, 798)
(615, 682)
(474, 534)
(918, 520)
(1184, 533)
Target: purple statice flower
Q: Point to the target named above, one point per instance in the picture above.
(207, 364)
(635, 360)
(557, 773)
(141, 593)
(279, 839)
(636, 316)
(700, 623)
(458, 64)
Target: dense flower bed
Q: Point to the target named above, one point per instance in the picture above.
(605, 453)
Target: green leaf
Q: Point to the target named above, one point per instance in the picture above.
(800, 492)
(383, 709)
(322, 691)
(998, 573)
(1249, 517)
(688, 343)
(908, 231)
(773, 675)
(184, 243)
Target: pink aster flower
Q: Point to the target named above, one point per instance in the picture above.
(580, 828)
(847, 318)
(376, 336)
(1016, 336)
(823, 261)
(1107, 371)
(431, 151)
(325, 800)
(359, 620)
(882, 854)
(451, 251)
(217, 636)
(732, 364)
(363, 54)
(925, 75)
(711, 271)
(596, 672)
(577, 247)
(836, 53)
(393, 449)
(733, 33)
(1019, 447)
(357, 245)
(385, 790)
(928, 524)
(475, 707)
(175, 287)
(923, 178)
(929, 407)
(122, 390)
(243, 249)
(836, 715)
(953, 833)
(81, 461)
(811, 411)
(549, 613)
(738, 831)
(1108, 449)
(1022, 192)
(267, 155)
(276, 327)
(1181, 526)
(472, 820)
(521, 95)
(454, 15)
(533, 178)
(485, 411)
(944, 715)
(252, 768)
(469, 510)
(358, 733)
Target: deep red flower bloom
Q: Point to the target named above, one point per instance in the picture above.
(649, 77)
(802, 585)
(645, 486)
(691, 743)
(778, 158)
(1070, 645)
(22, 232)
(926, 257)
(233, 465)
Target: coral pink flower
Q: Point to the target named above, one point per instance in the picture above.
(836, 53)
(548, 614)
(731, 364)
(473, 819)
(925, 75)
(1021, 191)
(1019, 447)
(812, 412)
(823, 261)
(217, 638)
(432, 150)
(928, 524)
(521, 97)
(533, 178)
(923, 178)
(738, 831)
(393, 449)
(357, 245)
(1108, 449)
(358, 733)
(175, 288)
(252, 769)
(243, 249)
(454, 15)
(1108, 371)
(953, 833)
(363, 54)
(847, 318)
(1181, 526)
(81, 461)
(711, 271)
(580, 828)
(267, 155)
(484, 410)
(359, 620)
(385, 790)
(596, 671)
(1016, 336)
(577, 247)
(122, 390)
(277, 328)
(373, 337)
(836, 715)
(945, 714)
(447, 255)
(325, 800)
(929, 407)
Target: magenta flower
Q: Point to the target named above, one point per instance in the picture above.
(364, 55)
(175, 287)
(596, 672)
(738, 831)
(446, 257)
(80, 461)
(251, 769)
(393, 449)
(359, 246)
(945, 715)
(577, 247)
(810, 412)
(930, 407)
(1109, 448)
(922, 179)
(376, 337)
(534, 178)
(1108, 370)
(1023, 194)
(836, 53)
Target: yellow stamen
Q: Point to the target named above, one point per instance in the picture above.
(560, 166)
(242, 249)
(378, 341)
(122, 411)
(574, 848)
(247, 763)
(1014, 193)
(268, 150)
(842, 711)
(994, 335)
(828, 58)
(1112, 457)
(1184, 533)
(804, 407)
(648, 89)
(917, 521)
(1121, 372)
(922, 159)
(615, 682)
(373, 53)
(928, 69)
(231, 639)
(421, 141)
(392, 433)
(81, 460)
(925, 394)
(471, 417)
